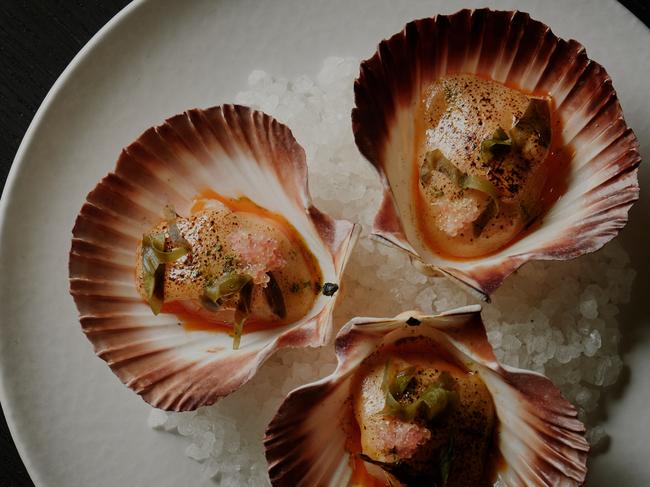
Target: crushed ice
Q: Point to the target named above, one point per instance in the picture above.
(557, 318)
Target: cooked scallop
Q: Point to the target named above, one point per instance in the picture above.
(201, 254)
(496, 142)
(421, 400)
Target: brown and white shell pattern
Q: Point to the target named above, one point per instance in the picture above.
(541, 442)
(235, 151)
(511, 48)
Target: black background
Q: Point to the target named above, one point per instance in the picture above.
(38, 39)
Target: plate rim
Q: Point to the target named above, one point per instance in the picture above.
(8, 190)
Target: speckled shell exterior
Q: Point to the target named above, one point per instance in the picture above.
(235, 151)
(512, 48)
(539, 438)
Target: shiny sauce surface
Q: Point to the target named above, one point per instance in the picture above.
(455, 115)
(237, 235)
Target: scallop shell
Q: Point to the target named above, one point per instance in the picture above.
(511, 48)
(230, 149)
(539, 438)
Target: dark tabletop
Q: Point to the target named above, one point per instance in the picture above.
(38, 38)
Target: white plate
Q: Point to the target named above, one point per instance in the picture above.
(73, 422)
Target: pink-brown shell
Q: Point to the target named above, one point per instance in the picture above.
(512, 48)
(235, 151)
(539, 437)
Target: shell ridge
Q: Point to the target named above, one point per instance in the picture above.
(480, 22)
(520, 23)
(172, 163)
(523, 52)
(151, 152)
(146, 381)
(209, 386)
(223, 135)
(536, 71)
(94, 209)
(189, 135)
(511, 38)
(529, 408)
(460, 22)
(93, 214)
(289, 170)
(612, 138)
(571, 76)
(102, 249)
(611, 135)
(118, 356)
(144, 340)
(89, 287)
(172, 148)
(291, 460)
(116, 331)
(84, 263)
(568, 54)
(540, 395)
(491, 58)
(113, 190)
(151, 183)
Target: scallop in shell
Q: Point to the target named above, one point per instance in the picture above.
(496, 143)
(422, 400)
(201, 254)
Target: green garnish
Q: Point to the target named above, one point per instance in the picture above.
(402, 380)
(428, 405)
(411, 473)
(172, 229)
(497, 146)
(480, 184)
(237, 330)
(387, 376)
(431, 402)
(154, 258)
(242, 312)
(156, 242)
(450, 93)
(490, 211)
(227, 285)
(535, 120)
(403, 471)
(273, 295)
(436, 161)
(445, 459)
(229, 263)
